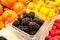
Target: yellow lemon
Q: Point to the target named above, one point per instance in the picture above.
(30, 5)
(43, 17)
(44, 10)
(51, 14)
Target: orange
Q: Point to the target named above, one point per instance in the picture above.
(1, 9)
(1, 19)
(11, 19)
(18, 6)
(6, 9)
(1, 25)
(8, 14)
(24, 1)
(34, 1)
(8, 3)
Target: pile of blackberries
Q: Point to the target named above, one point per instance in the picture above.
(28, 23)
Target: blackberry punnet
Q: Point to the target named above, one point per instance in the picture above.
(28, 23)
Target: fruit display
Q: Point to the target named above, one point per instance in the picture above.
(29, 15)
(28, 23)
(54, 33)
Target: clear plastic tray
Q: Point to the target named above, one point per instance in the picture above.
(9, 35)
(46, 31)
(37, 36)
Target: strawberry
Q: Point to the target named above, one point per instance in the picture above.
(58, 37)
(57, 21)
(53, 27)
(57, 25)
(55, 38)
(48, 37)
(52, 33)
(51, 39)
(57, 31)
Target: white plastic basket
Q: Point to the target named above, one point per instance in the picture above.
(10, 35)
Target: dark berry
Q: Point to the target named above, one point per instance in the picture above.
(25, 21)
(16, 23)
(38, 21)
(2, 38)
(20, 18)
(33, 26)
(25, 15)
(24, 28)
(31, 14)
(32, 32)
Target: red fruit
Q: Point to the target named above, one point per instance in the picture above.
(55, 38)
(53, 27)
(52, 33)
(58, 37)
(57, 21)
(48, 37)
(57, 31)
(51, 39)
(57, 25)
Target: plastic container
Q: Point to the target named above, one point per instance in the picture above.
(9, 35)
(37, 36)
(49, 27)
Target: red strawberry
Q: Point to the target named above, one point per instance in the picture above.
(55, 38)
(57, 31)
(57, 21)
(57, 25)
(47, 37)
(53, 27)
(51, 39)
(52, 33)
(58, 37)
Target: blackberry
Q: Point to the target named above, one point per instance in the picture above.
(20, 18)
(33, 26)
(25, 21)
(32, 32)
(38, 21)
(25, 15)
(31, 15)
(2, 38)
(24, 28)
(16, 23)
